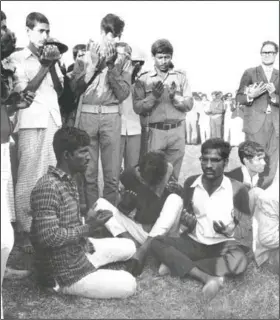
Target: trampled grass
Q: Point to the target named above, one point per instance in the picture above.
(254, 295)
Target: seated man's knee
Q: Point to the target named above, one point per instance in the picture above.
(129, 284)
(238, 262)
(129, 248)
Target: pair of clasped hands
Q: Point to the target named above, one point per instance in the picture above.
(158, 89)
(258, 89)
(189, 221)
(18, 101)
(97, 218)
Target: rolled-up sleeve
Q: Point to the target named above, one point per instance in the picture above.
(120, 82)
(142, 102)
(184, 101)
(45, 225)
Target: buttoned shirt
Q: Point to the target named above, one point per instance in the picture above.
(163, 109)
(218, 206)
(247, 180)
(46, 99)
(267, 71)
(217, 108)
(57, 232)
(130, 120)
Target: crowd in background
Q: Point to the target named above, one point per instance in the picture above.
(58, 121)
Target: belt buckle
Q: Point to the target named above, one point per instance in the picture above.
(99, 109)
(166, 126)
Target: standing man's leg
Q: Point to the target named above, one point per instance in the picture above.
(90, 123)
(110, 141)
(175, 149)
(123, 148)
(35, 154)
(188, 131)
(194, 132)
(132, 151)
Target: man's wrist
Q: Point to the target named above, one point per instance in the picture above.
(273, 97)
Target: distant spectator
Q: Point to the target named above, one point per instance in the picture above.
(191, 120)
(204, 118)
(216, 114)
(78, 51)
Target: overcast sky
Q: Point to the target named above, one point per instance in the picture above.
(214, 41)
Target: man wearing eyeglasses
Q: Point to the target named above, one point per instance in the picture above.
(259, 93)
(213, 204)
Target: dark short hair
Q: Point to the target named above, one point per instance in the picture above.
(153, 167)
(271, 43)
(34, 17)
(219, 144)
(162, 46)
(77, 48)
(3, 16)
(112, 23)
(249, 149)
(69, 139)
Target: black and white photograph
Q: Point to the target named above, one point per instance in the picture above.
(139, 159)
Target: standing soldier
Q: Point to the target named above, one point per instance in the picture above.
(162, 97)
(99, 110)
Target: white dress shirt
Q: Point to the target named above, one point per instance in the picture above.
(46, 99)
(218, 206)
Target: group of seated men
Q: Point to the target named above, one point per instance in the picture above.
(191, 231)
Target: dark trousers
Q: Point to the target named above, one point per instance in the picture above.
(182, 254)
(269, 139)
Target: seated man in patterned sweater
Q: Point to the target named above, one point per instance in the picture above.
(67, 257)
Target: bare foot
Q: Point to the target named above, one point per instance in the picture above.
(212, 287)
(163, 270)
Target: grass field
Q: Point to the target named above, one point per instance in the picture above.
(254, 295)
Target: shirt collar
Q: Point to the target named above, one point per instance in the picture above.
(247, 178)
(154, 73)
(59, 173)
(198, 182)
(27, 53)
(267, 68)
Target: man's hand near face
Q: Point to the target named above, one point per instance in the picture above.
(50, 55)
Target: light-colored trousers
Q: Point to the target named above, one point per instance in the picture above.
(130, 150)
(105, 283)
(7, 232)
(172, 143)
(168, 221)
(35, 155)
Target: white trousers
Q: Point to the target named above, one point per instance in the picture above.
(7, 232)
(168, 221)
(105, 283)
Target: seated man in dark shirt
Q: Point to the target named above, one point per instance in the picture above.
(66, 254)
(151, 205)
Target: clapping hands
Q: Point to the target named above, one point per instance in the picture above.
(158, 89)
(188, 220)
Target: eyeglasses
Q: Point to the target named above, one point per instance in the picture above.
(212, 160)
(268, 53)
